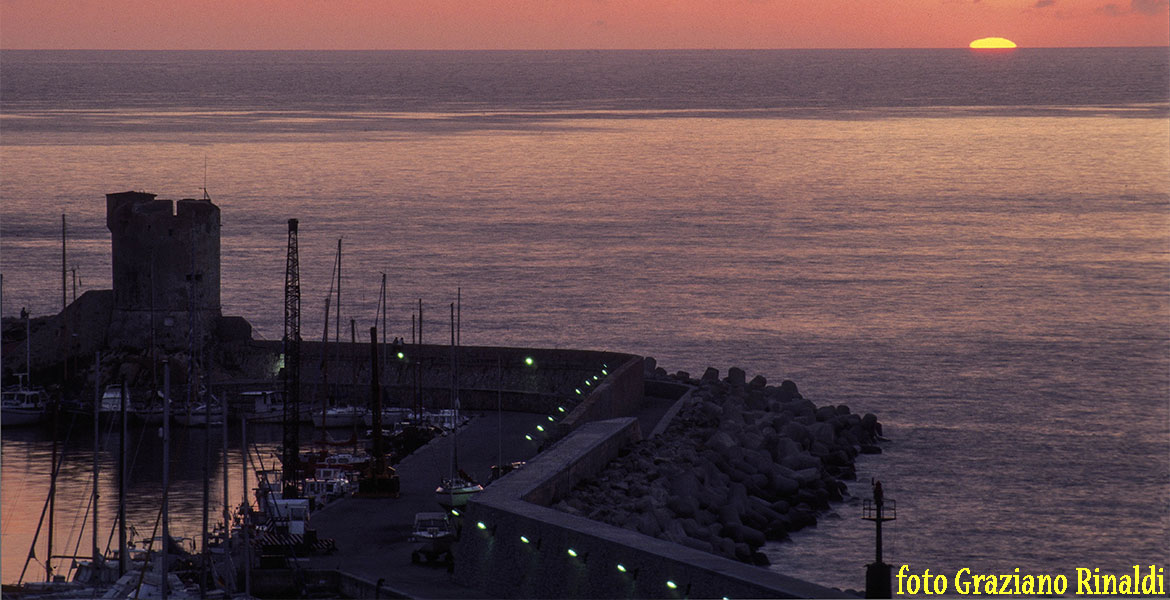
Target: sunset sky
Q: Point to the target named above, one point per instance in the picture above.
(568, 24)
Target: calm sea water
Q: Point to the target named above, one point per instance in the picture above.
(972, 246)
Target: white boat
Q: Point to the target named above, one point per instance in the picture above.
(263, 406)
(22, 405)
(434, 534)
(149, 414)
(446, 419)
(111, 405)
(390, 416)
(340, 416)
(454, 492)
(141, 585)
(267, 406)
(288, 516)
(346, 461)
(328, 484)
(197, 416)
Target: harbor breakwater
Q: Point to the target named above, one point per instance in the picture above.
(607, 512)
(515, 546)
(742, 463)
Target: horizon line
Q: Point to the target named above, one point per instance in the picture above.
(1167, 46)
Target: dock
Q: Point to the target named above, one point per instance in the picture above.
(372, 535)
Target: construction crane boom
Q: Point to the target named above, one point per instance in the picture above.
(292, 365)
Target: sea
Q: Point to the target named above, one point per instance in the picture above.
(974, 246)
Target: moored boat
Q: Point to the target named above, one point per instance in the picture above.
(389, 416)
(197, 416)
(267, 406)
(111, 405)
(340, 416)
(434, 535)
(22, 405)
(454, 492)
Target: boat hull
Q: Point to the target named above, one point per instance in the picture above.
(457, 496)
(338, 419)
(199, 421)
(16, 417)
(152, 416)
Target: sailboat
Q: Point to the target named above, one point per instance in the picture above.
(456, 489)
(23, 404)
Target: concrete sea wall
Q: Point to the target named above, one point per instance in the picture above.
(487, 375)
(563, 555)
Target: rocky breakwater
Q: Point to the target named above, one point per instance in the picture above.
(741, 463)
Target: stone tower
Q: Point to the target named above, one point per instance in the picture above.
(165, 258)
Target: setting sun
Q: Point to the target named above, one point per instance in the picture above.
(992, 42)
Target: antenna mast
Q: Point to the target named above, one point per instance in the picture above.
(205, 194)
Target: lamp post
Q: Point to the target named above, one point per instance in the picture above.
(877, 574)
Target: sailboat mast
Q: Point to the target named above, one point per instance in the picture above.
(123, 559)
(63, 262)
(337, 323)
(227, 510)
(384, 302)
(500, 414)
(64, 381)
(454, 402)
(376, 408)
(52, 496)
(418, 362)
(324, 367)
(153, 354)
(247, 506)
(64, 305)
(53, 411)
(27, 346)
(97, 401)
(458, 341)
(204, 556)
(414, 380)
(166, 475)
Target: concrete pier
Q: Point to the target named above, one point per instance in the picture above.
(372, 534)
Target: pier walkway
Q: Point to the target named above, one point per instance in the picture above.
(372, 535)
